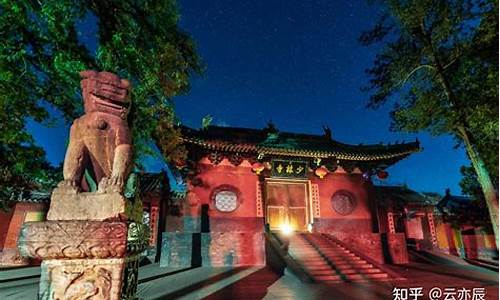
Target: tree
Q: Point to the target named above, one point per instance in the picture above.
(439, 64)
(43, 51)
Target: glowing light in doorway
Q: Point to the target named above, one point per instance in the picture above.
(286, 229)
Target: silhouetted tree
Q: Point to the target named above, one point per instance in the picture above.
(439, 63)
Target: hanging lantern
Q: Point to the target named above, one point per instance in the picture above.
(382, 174)
(321, 172)
(258, 168)
(179, 163)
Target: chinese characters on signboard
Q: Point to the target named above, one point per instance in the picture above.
(289, 169)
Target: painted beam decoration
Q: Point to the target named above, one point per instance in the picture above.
(288, 168)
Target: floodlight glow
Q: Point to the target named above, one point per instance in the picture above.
(286, 229)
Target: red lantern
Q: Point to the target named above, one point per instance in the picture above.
(257, 168)
(321, 172)
(382, 174)
(179, 163)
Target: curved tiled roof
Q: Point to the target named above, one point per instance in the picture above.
(246, 140)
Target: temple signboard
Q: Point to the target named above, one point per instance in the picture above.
(288, 168)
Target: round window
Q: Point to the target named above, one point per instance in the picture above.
(226, 200)
(343, 202)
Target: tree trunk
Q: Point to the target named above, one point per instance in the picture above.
(483, 177)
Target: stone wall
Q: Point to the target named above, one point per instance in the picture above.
(233, 249)
(213, 249)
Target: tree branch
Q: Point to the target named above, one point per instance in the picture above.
(411, 73)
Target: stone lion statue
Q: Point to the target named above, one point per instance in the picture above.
(100, 141)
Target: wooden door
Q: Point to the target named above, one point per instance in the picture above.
(286, 203)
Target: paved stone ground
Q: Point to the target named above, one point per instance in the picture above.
(262, 283)
(418, 275)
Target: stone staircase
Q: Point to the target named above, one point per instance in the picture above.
(327, 261)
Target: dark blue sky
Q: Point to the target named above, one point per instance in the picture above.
(297, 63)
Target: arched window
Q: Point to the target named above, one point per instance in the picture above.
(343, 202)
(226, 198)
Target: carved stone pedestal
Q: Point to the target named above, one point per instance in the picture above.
(84, 259)
(81, 259)
(82, 279)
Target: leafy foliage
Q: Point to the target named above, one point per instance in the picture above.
(42, 53)
(439, 64)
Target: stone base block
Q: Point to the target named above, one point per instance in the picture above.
(177, 249)
(65, 205)
(97, 279)
(233, 249)
(214, 249)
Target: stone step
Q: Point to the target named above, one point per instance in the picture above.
(366, 276)
(319, 259)
(377, 275)
(314, 270)
(348, 266)
(322, 272)
(327, 277)
(325, 249)
(338, 253)
(356, 271)
(344, 258)
(312, 255)
(315, 264)
(311, 259)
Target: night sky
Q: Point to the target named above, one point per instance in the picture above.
(299, 64)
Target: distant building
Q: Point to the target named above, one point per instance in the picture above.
(24, 207)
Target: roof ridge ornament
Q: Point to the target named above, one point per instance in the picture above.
(270, 127)
(327, 132)
(271, 130)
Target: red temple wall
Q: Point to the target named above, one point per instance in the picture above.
(21, 212)
(5, 218)
(17, 220)
(359, 220)
(235, 238)
(224, 173)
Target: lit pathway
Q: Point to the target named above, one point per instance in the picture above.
(419, 275)
(261, 283)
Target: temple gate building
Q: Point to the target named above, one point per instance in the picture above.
(240, 180)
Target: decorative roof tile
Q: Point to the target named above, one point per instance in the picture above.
(246, 140)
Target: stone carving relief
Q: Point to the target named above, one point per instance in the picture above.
(79, 239)
(82, 279)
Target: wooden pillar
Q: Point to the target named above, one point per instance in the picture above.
(432, 228)
(390, 222)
